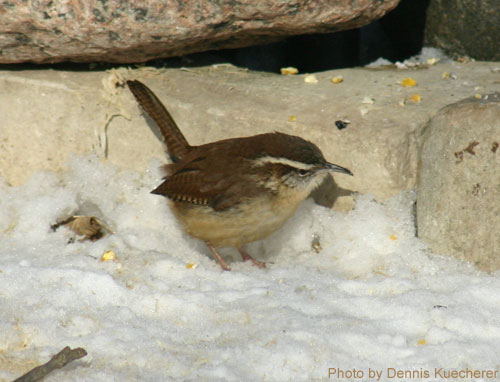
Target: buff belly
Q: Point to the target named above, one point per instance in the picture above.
(243, 224)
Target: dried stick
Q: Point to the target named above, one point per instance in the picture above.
(58, 361)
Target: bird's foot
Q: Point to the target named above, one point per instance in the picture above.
(219, 258)
(245, 256)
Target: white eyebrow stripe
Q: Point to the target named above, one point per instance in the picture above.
(284, 161)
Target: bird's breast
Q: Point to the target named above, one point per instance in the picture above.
(251, 220)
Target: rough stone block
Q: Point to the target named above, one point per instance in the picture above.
(458, 194)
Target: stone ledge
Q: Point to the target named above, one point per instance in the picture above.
(48, 115)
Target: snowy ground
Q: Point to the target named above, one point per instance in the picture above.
(372, 299)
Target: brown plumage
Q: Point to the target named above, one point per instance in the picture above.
(202, 176)
(234, 191)
(174, 139)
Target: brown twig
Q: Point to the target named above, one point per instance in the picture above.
(58, 361)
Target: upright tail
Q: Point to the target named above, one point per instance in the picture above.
(177, 145)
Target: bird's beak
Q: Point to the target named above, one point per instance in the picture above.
(336, 168)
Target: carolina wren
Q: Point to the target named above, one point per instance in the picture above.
(234, 191)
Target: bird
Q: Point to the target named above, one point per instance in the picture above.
(232, 192)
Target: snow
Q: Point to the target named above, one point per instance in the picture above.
(426, 55)
(373, 299)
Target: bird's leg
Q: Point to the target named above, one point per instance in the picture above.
(221, 261)
(245, 256)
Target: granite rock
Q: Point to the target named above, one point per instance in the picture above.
(133, 31)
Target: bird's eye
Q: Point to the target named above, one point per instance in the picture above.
(303, 172)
